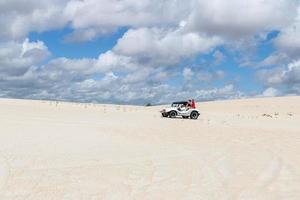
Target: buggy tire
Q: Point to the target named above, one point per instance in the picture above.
(172, 114)
(164, 114)
(194, 115)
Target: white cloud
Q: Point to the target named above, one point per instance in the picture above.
(275, 59)
(187, 73)
(286, 75)
(16, 58)
(288, 40)
(162, 76)
(140, 75)
(163, 47)
(230, 19)
(88, 34)
(83, 66)
(235, 19)
(19, 17)
(113, 13)
(226, 92)
(66, 79)
(210, 76)
(161, 34)
(270, 92)
(113, 61)
(286, 79)
(91, 18)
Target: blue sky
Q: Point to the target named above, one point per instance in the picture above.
(54, 40)
(149, 51)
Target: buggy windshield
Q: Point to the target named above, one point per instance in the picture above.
(177, 104)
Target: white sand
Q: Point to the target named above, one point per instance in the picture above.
(89, 152)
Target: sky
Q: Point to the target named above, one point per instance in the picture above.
(149, 51)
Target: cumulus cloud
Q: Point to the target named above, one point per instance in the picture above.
(270, 92)
(153, 46)
(73, 79)
(226, 92)
(210, 76)
(161, 38)
(113, 61)
(113, 13)
(19, 17)
(287, 78)
(275, 59)
(88, 34)
(236, 19)
(231, 19)
(286, 75)
(187, 73)
(16, 58)
(208, 94)
(137, 76)
(82, 66)
(288, 40)
(91, 18)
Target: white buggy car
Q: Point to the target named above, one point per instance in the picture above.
(180, 109)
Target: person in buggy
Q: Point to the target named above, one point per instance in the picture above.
(184, 107)
(191, 104)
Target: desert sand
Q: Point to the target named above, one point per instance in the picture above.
(237, 149)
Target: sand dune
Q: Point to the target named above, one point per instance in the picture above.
(240, 149)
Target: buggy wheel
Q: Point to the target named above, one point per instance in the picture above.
(164, 114)
(172, 114)
(194, 115)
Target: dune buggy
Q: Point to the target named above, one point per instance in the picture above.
(180, 109)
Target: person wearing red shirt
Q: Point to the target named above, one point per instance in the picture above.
(193, 104)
